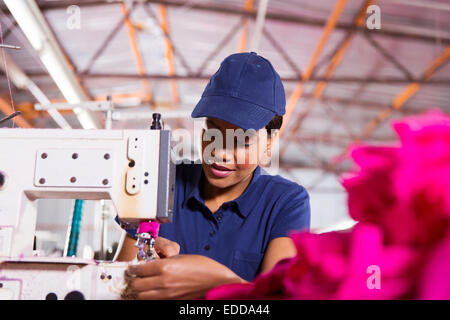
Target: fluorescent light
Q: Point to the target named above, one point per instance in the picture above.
(35, 28)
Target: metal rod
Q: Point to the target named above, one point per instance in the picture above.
(297, 93)
(146, 87)
(401, 99)
(283, 17)
(6, 108)
(219, 47)
(164, 24)
(334, 62)
(245, 25)
(108, 39)
(15, 114)
(389, 56)
(344, 79)
(283, 53)
(7, 46)
(259, 25)
(176, 52)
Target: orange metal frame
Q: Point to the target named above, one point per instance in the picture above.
(169, 53)
(335, 61)
(297, 93)
(399, 101)
(245, 27)
(6, 108)
(136, 52)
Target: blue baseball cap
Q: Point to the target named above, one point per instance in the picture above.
(246, 91)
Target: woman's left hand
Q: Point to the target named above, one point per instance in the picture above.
(177, 277)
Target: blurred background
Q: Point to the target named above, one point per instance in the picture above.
(349, 68)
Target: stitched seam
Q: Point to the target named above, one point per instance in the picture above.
(240, 74)
(228, 96)
(274, 82)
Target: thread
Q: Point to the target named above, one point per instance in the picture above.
(75, 228)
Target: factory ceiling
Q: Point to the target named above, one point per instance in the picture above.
(344, 81)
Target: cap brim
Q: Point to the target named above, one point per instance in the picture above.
(236, 111)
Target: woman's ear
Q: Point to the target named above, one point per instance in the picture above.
(271, 140)
(267, 153)
(268, 150)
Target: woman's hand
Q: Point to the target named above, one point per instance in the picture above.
(166, 248)
(177, 277)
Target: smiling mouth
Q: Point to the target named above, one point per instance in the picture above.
(220, 171)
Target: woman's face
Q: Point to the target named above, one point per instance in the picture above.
(230, 154)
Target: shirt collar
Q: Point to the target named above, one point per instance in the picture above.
(193, 186)
(244, 202)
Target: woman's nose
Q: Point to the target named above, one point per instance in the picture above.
(223, 155)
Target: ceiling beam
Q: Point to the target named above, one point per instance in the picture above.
(136, 52)
(297, 93)
(343, 80)
(282, 17)
(176, 52)
(33, 24)
(279, 49)
(23, 82)
(389, 57)
(259, 26)
(164, 24)
(334, 62)
(248, 7)
(222, 43)
(400, 100)
(332, 139)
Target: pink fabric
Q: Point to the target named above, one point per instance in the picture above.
(400, 249)
(149, 227)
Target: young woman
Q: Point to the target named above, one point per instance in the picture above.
(231, 220)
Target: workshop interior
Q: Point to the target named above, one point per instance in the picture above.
(94, 94)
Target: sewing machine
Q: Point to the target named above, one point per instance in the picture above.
(132, 168)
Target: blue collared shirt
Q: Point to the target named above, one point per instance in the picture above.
(238, 233)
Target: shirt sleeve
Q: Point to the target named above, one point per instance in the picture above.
(294, 214)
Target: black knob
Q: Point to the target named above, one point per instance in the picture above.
(156, 123)
(51, 296)
(74, 295)
(2, 179)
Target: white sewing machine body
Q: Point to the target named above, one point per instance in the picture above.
(62, 278)
(133, 168)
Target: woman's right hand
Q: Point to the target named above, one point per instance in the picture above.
(166, 248)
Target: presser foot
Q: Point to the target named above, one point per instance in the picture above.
(146, 245)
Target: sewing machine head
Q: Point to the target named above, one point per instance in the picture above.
(133, 168)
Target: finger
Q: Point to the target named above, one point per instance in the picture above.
(166, 246)
(169, 248)
(148, 269)
(167, 251)
(146, 284)
(165, 294)
(151, 295)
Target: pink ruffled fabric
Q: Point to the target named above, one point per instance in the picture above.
(151, 227)
(400, 249)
